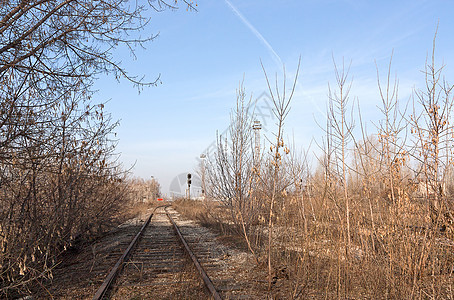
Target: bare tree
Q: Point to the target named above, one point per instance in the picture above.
(342, 135)
(281, 102)
(69, 38)
(433, 129)
(230, 172)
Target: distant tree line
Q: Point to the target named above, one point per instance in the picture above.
(144, 191)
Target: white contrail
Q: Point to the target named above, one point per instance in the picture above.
(276, 57)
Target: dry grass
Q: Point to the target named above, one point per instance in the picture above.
(393, 260)
(213, 215)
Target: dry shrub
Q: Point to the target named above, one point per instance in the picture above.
(59, 183)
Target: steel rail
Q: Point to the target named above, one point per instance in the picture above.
(206, 279)
(101, 292)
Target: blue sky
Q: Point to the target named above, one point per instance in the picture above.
(202, 56)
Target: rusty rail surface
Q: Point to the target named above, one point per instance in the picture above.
(202, 272)
(117, 268)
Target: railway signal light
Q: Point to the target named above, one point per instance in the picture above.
(189, 186)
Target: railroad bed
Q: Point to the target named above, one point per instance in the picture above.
(159, 267)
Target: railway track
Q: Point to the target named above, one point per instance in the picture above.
(160, 264)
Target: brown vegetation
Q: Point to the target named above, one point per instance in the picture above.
(374, 219)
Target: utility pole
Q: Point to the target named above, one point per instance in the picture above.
(256, 127)
(256, 158)
(202, 157)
